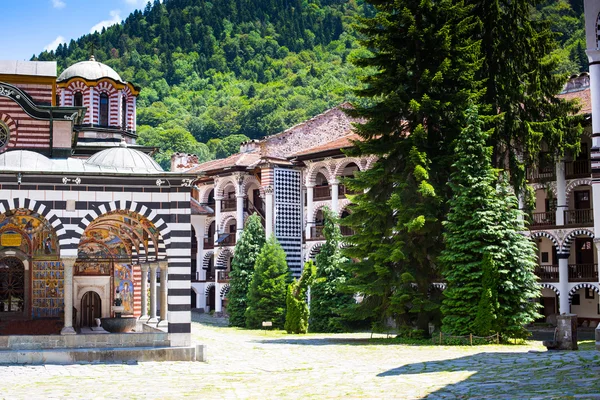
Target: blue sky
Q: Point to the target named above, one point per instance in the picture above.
(30, 26)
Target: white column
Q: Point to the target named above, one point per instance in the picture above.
(239, 218)
(521, 198)
(269, 211)
(310, 209)
(120, 111)
(217, 217)
(218, 305)
(68, 264)
(561, 193)
(563, 283)
(91, 111)
(134, 117)
(164, 300)
(144, 316)
(153, 317)
(334, 196)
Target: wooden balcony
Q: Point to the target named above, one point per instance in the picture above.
(346, 231)
(543, 219)
(579, 217)
(229, 205)
(228, 240)
(578, 169)
(583, 272)
(316, 233)
(209, 244)
(547, 273)
(322, 193)
(223, 276)
(541, 174)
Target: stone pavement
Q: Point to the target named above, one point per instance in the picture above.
(273, 365)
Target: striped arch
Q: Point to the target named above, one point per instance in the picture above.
(208, 287)
(541, 186)
(311, 253)
(325, 167)
(36, 207)
(125, 205)
(319, 207)
(226, 218)
(222, 183)
(575, 288)
(370, 161)
(224, 290)
(549, 236)
(344, 162)
(12, 131)
(343, 205)
(551, 287)
(249, 180)
(223, 257)
(566, 245)
(206, 260)
(573, 184)
(207, 226)
(204, 192)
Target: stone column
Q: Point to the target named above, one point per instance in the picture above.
(217, 217)
(68, 299)
(310, 209)
(563, 283)
(91, 111)
(144, 316)
(153, 319)
(521, 198)
(269, 197)
(239, 218)
(218, 305)
(164, 299)
(561, 193)
(335, 192)
(199, 225)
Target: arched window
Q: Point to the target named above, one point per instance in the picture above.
(12, 285)
(124, 114)
(78, 99)
(103, 109)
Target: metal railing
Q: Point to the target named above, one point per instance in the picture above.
(547, 273)
(579, 217)
(547, 218)
(583, 272)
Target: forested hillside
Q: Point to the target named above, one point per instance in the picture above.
(216, 73)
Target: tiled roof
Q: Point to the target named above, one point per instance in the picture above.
(199, 209)
(585, 99)
(235, 160)
(341, 143)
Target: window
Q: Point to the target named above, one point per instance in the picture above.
(4, 135)
(576, 300)
(124, 114)
(78, 99)
(12, 285)
(103, 109)
(545, 258)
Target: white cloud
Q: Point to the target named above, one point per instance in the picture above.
(58, 4)
(54, 44)
(115, 19)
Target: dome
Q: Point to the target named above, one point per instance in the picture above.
(24, 160)
(123, 157)
(91, 70)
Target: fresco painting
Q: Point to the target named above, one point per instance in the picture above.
(123, 282)
(48, 289)
(41, 241)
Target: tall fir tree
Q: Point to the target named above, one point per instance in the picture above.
(326, 298)
(424, 61)
(296, 314)
(266, 296)
(521, 87)
(484, 221)
(247, 249)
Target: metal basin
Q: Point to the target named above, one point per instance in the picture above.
(119, 325)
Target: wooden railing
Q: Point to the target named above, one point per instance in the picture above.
(209, 243)
(222, 276)
(583, 272)
(316, 232)
(541, 174)
(543, 219)
(322, 193)
(577, 169)
(228, 241)
(229, 205)
(547, 273)
(346, 231)
(579, 217)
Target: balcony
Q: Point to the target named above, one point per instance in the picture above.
(209, 244)
(316, 233)
(223, 276)
(541, 174)
(577, 169)
(322, 193)
(346, 231)
(583, 217)
(226, 239)
(547, 273)
(583, 272)
(229, 205)
(543, 219)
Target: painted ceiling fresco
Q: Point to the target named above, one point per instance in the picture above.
(29, 232)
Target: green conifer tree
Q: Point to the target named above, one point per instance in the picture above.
(326, 298)
(247, 249)
(488, 301)
(266, 295)
(296, 316)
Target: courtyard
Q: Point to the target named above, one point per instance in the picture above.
(259, 364)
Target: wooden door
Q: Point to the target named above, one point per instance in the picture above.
(582, 200)
(585, 251)
(91, 308)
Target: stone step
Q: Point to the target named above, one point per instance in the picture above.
(104, 355)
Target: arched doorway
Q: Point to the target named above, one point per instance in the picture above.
(12, 285)
(91, 308)
(210, 298)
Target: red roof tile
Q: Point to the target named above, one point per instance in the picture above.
(340, 143)
(585, 99)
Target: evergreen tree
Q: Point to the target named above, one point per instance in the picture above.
(296, 316)
(266, 296)
(326, 299)
(485, 222)
(247, 249)
(425, 61)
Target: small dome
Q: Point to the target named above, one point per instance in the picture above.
(24, 160)
(91, 70)
(123, 157)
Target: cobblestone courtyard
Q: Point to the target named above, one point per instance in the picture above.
(273, 365)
